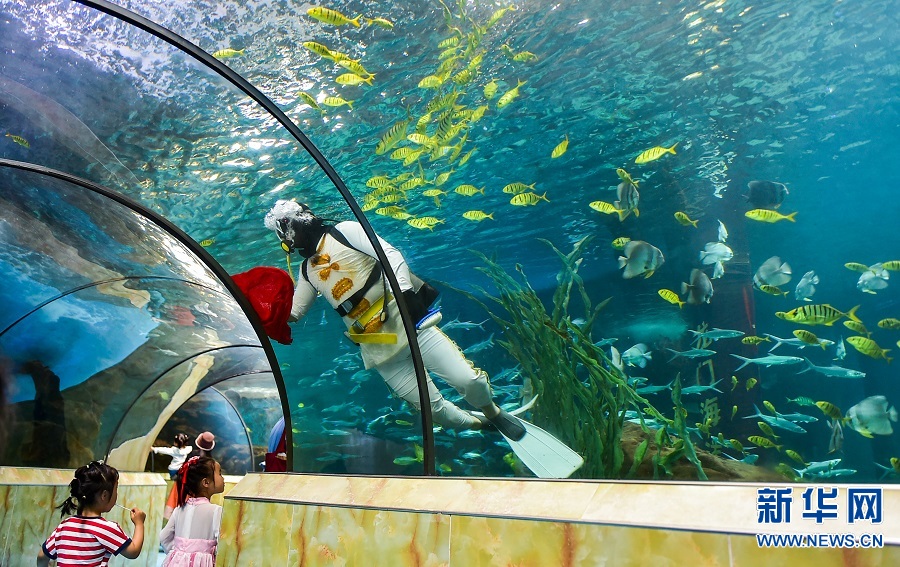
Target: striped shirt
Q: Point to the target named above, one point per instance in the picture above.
(86, 542)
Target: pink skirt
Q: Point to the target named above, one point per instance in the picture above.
(191, 553)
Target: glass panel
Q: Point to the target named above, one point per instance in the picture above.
(210, 411)
(88, 356)
(725, 95)
(57, 236)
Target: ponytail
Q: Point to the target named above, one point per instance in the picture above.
(89, 482)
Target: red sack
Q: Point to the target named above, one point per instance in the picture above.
(270, 292)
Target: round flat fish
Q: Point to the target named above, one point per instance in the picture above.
(766, 194)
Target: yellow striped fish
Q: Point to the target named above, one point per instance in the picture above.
(490, 89)
(619, 243)
(468, 190)
(424, 222)
(332, 17)
(337, 101)
(685, 220)
(892, 265)
(823, 314)
(228, 53)
(857, 328)
(392, 137)
(381, 22)
(308, 99)
(830, 410)
(517, 187)
(355, 67)
(431, 82)
(509, 95)
(477, 215)
(869, 347)
(761, 441)
(671, 297)
(523, 199)
(604, 207)
(809, 338)
(317, 48)
(654, 153)
(19, 140)
(889, 323)
(560, 149)
(770, 216)
(352, 79)
(857, 267)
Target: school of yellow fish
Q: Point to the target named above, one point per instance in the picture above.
(429, 149)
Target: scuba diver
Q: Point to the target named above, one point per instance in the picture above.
(341, 264)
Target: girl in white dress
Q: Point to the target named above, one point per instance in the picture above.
(192, 533)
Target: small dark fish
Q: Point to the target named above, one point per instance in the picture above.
(766, 194)
(700, 290)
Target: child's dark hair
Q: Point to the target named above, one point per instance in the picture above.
(181, 439)
(90, 480)
(191, 474)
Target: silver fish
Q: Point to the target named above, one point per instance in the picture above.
(690, 390)
(653, 389)
(873, 415)
(817, 468)
(616, 359)
(836, 440)
(723, 232)
(638, 355)
(464, 325)
(841, 351)
(483, 345)
(715, 252)
(836, 472)
(718, 270)
(640, 258)
(834, 371)
(791, 342)
(629, 198)
(797, 417)
(700, 290)
(716, 334)
(771, 360)
(773, 272)
(873, 280)
(693, 353)
(775, 421)
(806, 287)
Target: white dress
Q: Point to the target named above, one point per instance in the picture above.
(191, 535)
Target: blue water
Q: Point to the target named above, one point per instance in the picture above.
(804, 95)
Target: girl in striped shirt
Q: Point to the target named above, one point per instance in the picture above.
(86, 538)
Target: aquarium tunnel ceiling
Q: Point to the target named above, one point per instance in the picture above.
(702, 165)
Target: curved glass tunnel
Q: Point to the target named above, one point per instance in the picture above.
(749, 92)
(110, 324)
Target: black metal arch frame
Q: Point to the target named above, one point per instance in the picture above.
(241, 83)
(198, 251)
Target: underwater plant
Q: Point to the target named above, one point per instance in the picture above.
(583, 398)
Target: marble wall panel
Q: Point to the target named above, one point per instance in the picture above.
(29, 513)
(747, 553)
(255, 534)
(498, 541)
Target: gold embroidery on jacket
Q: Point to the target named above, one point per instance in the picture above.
(343, 286)
(360, 308)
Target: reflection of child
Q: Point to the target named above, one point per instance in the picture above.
(191, 535)
(179, 452)
(87, 538)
